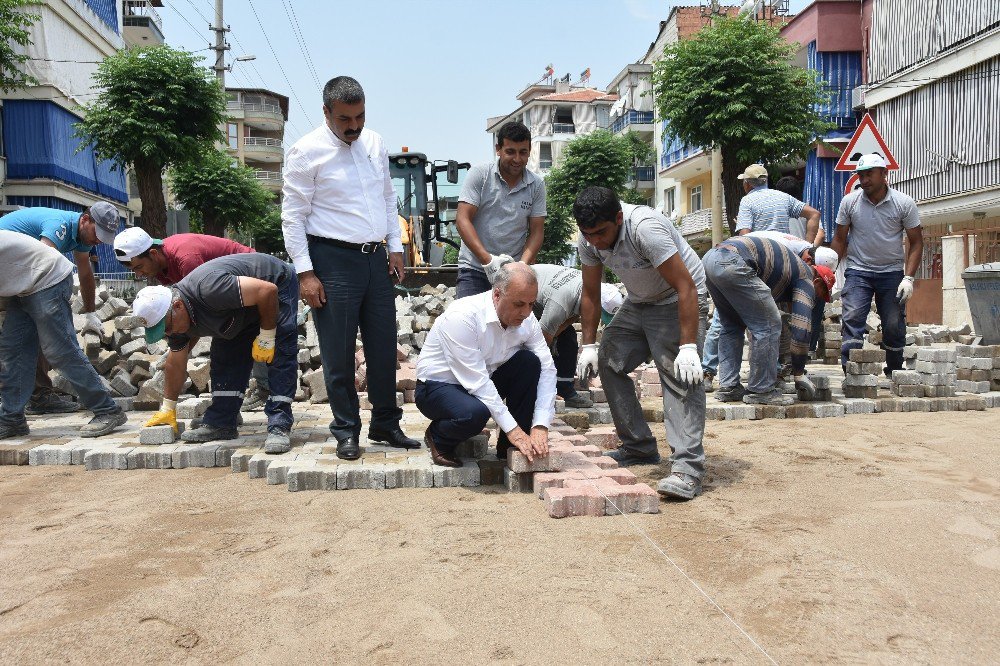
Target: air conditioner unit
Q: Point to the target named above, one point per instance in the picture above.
(858, 97)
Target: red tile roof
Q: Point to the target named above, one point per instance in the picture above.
(584, 95)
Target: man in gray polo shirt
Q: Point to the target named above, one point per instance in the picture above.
(501, 212)
(870, 227)
(663, 318)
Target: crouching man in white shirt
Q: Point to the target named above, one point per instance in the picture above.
(484, 350)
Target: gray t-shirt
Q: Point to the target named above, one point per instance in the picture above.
(28, 265)
(213, 297)
(502, 219)
(875, 240)
(559, 289)
(646, 240)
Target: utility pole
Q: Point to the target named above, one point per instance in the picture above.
(220, 47)
(716, 169)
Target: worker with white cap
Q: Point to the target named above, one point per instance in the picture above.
(870, 227)
(557, 309)
(248, 304)
(66, 231)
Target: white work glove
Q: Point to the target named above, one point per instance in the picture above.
(687, 365)
(805, 388)
(92, 324)
(496, 261)
(587, 365)
(905, 289)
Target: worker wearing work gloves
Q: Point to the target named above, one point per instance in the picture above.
(663, 317)
(747, 277)
(66, 231)
(501, 212)
(870, 227)
(248, 304)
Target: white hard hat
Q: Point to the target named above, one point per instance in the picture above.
(151, 305)
(871, 161)
(826, 257)
(132, 242)
(611, 298)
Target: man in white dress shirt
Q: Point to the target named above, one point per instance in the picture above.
(340, 225)
(483, 350)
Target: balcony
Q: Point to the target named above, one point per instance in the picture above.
(266, 116)
(272, 180)
(563, 128)
(643, 178)
(141, 23)
(264, 149)
(639, 121)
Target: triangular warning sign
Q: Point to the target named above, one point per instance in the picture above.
(866, 140)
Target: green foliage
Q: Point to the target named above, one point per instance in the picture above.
(267, 236)
(598, 158)
(14, 29)
(734, 86)
(450, 256)
(155, 104)
(224, 194)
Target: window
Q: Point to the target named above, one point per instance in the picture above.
(545, 156)
(232, 131)
(695, 198)
(603, 117)
(562, 123)
(669, 201)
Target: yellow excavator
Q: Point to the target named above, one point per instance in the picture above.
(426, 218)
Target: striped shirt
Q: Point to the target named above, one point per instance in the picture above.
(790, 281)
(762, 209)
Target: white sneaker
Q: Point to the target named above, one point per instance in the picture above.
(680, 486)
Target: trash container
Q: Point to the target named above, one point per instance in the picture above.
(982, 285)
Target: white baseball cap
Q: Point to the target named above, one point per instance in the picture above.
(872, 161)
(611, 298)
(132, 242)
(151, 305)
(825, 256)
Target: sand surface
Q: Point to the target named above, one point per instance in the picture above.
(862, 539)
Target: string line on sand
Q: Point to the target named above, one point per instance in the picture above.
(660, 550)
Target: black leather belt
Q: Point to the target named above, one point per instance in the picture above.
(365, 248)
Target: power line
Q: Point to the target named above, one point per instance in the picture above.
(185, 18)
(300, 38)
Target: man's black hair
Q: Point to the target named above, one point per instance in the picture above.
(342, 89)
(789, 185)
(514, 131)
(595, 205)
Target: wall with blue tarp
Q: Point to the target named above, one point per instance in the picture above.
(39, 143)
(824, 189)
(673, 150)
(107, 11)
(105, 253)
(841, 70)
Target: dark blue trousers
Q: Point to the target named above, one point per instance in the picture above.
(471, 282)
(566, 349)
(456, 415)
(359, 294)
(232, 363)
(856, 299)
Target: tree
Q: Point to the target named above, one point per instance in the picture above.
(223, 194)
(267, 234)
(734, 86)
(598, 158)
(157, 108)
(14, 25)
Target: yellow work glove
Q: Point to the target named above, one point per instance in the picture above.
(166, 416)
(263, 346)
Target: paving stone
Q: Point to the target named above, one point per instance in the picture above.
(473, 448)
(715, 412)
(577, 419)
(867, 355)
(861, 392)
(150, 457)
(465, 476)
(603, 437)
(936, 354)
(937, 379)
(52, 454)
(860, 380)
(350, 477)
(939, 391)
(857, 405)
(198, 455)
(490, 471)
(15, 451)
(193, 407)
(413, 475)
(311, 478)
(772, 412)
(635, 498)
(277, 471)
(239, 459)
(929, 367)
(907, 377)
(820, 381)
(517, 482)
(908, 390)
(116, 458)
(739, 411)
(566, 502)
(854, 368)
(162, 434)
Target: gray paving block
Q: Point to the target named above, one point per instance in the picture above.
(239, 459)
(473, 448)
(195, 455)
(466, 476)
(854, 368)
(162, 434)
(937, 379)
(311, 478)
(860, 380)
(409, 476)
(116, 458)
(936, 355)
(352, 477)
(934, 367)
(150, 457)
(277, 471)
(906, 377)
(739, 411)
(193, 407)
(857, 405)
(518, 482)
(51, 454)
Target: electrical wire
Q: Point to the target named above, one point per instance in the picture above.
(300, 38)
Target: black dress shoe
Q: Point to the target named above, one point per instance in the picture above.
(396, 438)
(439, 457)
(348, 449)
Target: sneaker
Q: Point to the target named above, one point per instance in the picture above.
(8, 430)
(50, 403)
(277, 441)
(709, 382)
(254, 400)
(103, 424)
(626, 458)
(209, 433)
(772, 397)
(578, 401)
(680, 486)
(734, 394)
